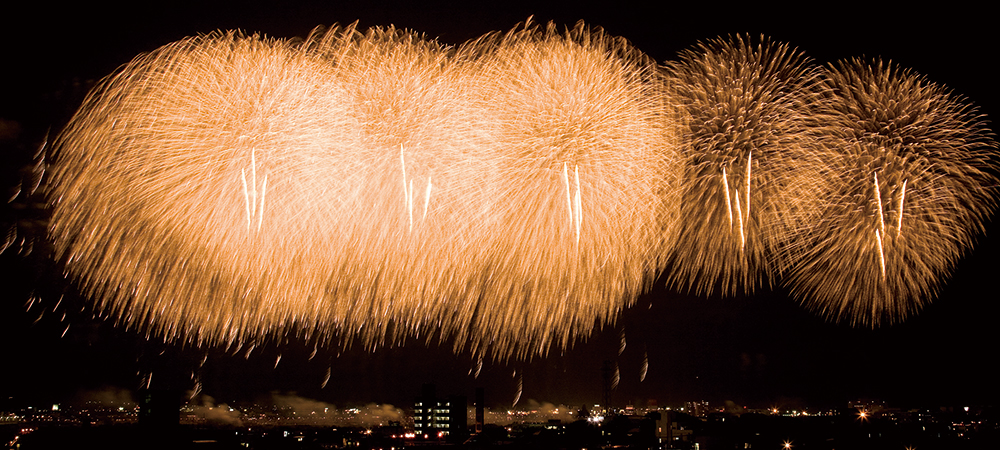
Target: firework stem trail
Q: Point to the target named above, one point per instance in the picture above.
(899, 220)
(878, 203)
(729, 202)
(749, 157)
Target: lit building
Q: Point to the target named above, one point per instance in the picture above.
(439, 418)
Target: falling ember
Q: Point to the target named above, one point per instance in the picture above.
(326, 378)
(645, 367)
(615, 378)
(517, 394)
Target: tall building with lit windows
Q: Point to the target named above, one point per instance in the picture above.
(439, 418)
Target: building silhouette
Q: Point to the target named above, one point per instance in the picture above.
(437, 418)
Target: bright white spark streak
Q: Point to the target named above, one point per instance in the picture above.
(739, 215)
(409, 197)
(881, 252)
(250, 192)
(579, 205)
(263, 193)
(748, 186)
(878, 199)
(729, 206)
(406, 191)
(569, 195)
(246, 197)
(253, 180)
(899, 222)
(427, 197)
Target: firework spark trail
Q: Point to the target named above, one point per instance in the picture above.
(645, 366)
(729, 202)
(879, 122)
(902, 197)
(520, 389)
(159, 154)
(878, 203)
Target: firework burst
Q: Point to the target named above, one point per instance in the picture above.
(169, 191)
(915, 168)
(745, 107)
(369, 186)
(508, 195)
(579, 120)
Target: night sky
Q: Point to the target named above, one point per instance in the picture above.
(760, 350)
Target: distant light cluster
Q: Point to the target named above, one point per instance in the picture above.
(509, 194)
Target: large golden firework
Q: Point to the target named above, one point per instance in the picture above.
(746, 104)
(580, 121)
(508, 194)
(915, 179)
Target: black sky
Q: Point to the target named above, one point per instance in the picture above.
(761, 349)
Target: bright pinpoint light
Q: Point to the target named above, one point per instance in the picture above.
(787, 445)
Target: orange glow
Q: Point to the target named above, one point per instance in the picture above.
(511, 195)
